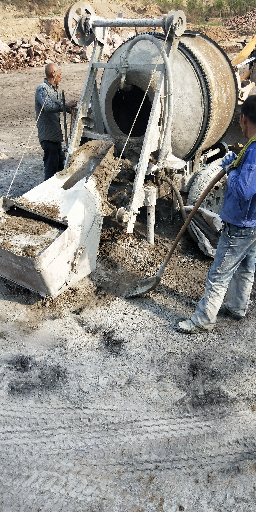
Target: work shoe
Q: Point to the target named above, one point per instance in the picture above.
(188, 327)
(229, 312)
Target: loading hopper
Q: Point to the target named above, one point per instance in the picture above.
(49, 237)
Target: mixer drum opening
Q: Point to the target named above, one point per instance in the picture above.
(125, 105)
(204, 93)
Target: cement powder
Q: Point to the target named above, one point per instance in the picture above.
(24, 236)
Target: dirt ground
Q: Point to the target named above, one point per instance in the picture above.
(105, 406)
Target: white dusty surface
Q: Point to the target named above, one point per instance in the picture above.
(110, 409)
(105, 407)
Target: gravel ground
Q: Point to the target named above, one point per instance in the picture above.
(105, 406)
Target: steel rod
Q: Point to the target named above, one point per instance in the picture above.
(136, 67)
(65, 118)
(128, 22)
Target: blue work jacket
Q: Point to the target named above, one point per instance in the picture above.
(239, 205)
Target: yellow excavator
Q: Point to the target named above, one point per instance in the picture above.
(246, 55)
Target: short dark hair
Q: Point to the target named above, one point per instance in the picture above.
(248, 108)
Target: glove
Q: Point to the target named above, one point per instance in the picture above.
(228, 160)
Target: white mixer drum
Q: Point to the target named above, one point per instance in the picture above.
(204, 92)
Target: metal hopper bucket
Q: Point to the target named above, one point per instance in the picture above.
(49, 237)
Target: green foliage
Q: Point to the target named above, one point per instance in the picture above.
(197, 11)
(219, 5)
(173, 5)
(240, 6)
(166, 5)
(39, 7)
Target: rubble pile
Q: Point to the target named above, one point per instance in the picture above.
(41, 49)
(246, 21)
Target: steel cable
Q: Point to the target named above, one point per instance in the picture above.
(140, 37)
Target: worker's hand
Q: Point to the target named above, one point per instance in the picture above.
(227, 161)
(71, 103)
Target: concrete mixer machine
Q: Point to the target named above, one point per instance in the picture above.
(165, 101)
(171, 93)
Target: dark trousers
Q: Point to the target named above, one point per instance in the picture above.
(54, 158)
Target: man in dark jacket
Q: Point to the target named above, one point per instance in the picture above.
(48, 106)
(232, 272)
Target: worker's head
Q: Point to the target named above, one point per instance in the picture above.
(248, 116)
(53, 73)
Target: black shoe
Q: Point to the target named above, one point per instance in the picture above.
(235, 316)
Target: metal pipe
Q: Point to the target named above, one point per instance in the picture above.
(65, 118)
(181, 205)
(127, 22)
(150, 224)
(150, 203)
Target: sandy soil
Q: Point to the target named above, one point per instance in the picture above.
(106, 407)
(15, 25)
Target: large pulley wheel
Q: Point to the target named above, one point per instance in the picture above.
(177, 21)
(75, 24)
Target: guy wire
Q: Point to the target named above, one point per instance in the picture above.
(135, 119)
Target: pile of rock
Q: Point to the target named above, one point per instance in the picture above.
(247, 21)
(41, 50)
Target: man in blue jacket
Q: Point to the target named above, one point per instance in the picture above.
(232, 271)
(48, 105)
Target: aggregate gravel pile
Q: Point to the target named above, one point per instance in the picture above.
(248, 21)
(41, 49)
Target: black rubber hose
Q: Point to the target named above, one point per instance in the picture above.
(181, 205)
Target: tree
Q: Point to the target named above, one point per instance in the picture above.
(218, 7)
